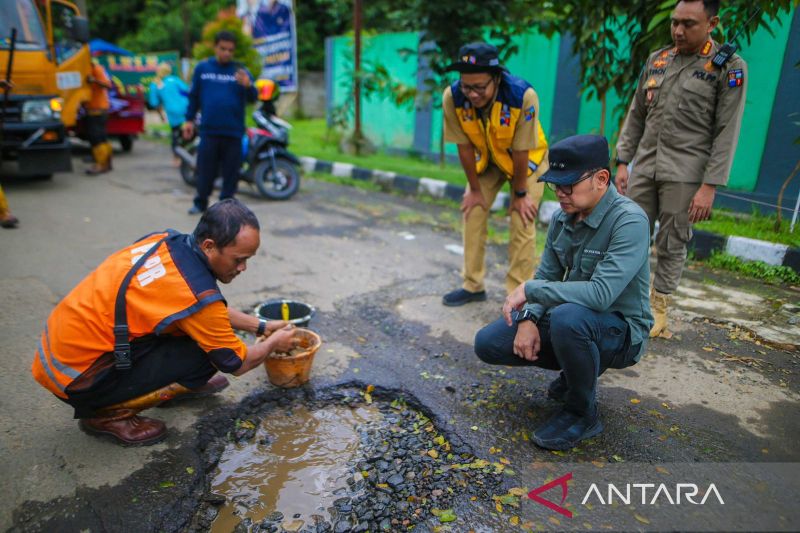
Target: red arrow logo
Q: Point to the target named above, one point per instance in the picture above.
(534, 495)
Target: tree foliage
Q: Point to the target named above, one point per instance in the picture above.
(152, 25)
(244, 53)
(596, 26)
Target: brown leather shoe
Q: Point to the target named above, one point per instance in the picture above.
(130, 431)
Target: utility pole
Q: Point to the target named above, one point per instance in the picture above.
(357, 74)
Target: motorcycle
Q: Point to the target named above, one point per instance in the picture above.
(266, 161)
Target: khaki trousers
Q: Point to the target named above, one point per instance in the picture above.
(668, 202)
(521, 240)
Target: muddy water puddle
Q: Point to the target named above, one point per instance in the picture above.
(342, 459)
(293, 470)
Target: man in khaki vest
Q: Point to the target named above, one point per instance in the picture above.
(493, 117)
(680, 135)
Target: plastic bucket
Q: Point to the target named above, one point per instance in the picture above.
(293, 371)
(299, 313)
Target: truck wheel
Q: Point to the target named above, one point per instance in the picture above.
(126, 142)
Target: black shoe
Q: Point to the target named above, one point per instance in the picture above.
(463, 296)
(566, 429)
(195, 210)
(557, 388)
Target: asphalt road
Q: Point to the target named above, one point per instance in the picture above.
(721, 397)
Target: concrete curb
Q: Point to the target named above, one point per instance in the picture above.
(703, 243)
(391, 181)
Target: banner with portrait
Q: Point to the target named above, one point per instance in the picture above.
(271, 25)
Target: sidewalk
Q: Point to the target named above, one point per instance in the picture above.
(703, 243)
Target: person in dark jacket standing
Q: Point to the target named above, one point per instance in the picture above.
(220, 91)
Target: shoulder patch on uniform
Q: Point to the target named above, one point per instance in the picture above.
(735, 77)
(530, 113)
(706, 48)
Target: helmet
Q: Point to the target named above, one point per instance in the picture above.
(267, 90)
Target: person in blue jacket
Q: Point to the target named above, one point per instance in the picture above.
(220, 91)
(171, 94)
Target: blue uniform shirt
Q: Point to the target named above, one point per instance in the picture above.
(219, 98)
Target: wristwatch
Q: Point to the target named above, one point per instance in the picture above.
(526, 314)
(521, 194)
(619, 161)
(262, 326)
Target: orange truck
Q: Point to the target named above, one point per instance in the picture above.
(46, 65)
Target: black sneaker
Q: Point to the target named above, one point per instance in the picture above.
(557, 388)
(566, 429)
(463, 296)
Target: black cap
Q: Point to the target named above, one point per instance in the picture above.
(476, 57)
(572, 157)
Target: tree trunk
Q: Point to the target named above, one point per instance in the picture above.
(780, 196)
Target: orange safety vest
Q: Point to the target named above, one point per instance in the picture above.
(173, 283)
(493, 140)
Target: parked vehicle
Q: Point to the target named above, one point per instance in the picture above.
(266, 160)
(46, 67)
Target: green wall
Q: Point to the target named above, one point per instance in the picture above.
(382, 121)
(537, 61)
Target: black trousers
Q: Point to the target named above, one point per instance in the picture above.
(580, 342)
(217, 152)
(157, 362)
(96, 128)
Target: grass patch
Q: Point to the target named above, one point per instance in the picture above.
(311, 137)
(754, 269)
(753, 226)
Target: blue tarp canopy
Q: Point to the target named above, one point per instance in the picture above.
(99, 46)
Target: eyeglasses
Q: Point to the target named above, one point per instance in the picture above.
(567, 189)
(477, 89)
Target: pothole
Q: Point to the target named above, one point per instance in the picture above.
(344, 460)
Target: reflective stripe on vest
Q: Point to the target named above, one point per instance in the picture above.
(49, 361)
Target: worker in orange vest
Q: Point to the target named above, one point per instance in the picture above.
(96, 119)
(150, 324)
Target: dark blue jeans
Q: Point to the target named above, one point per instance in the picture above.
(217, 153)
(574, 339)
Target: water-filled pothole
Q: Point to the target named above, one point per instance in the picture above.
(344, 460)
(296, 466)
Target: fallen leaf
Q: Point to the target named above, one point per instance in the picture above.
(635, 401)
(514, 520)
(370, 388)
(554, 520)
(362, 340)
(447, 515)
(641, 519)
(618, 459)
(505, 461)
(433, 453)
(368, 398)
(474, 428)
(166, 484)
(498, 506)
(662, 470)
(189, 470)
(517, 491)
(708, 348)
